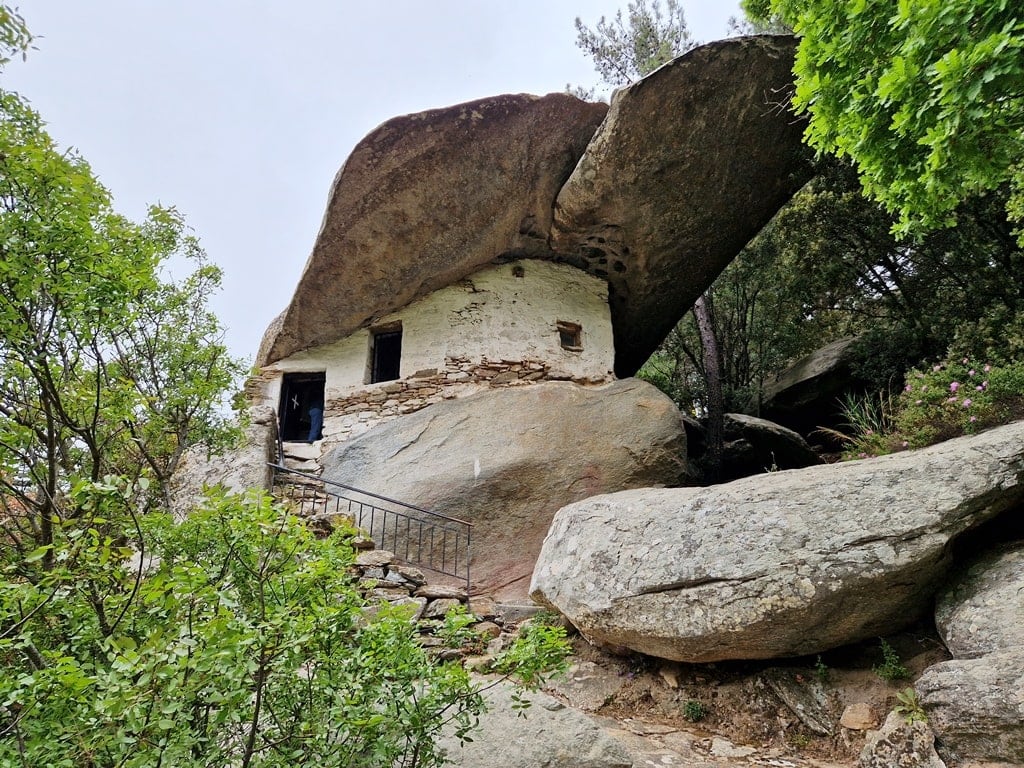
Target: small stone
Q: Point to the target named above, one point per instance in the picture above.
(481, 664)
(440, 591)
(488, 629)
(859, 717)
(373, 574)
(424, 373)
(437, 609)
(724, 748)
(447, 654)
(483, 606)
(504, 378)
(387, 593)
(378, 558)
(410, 574)
(668, 674)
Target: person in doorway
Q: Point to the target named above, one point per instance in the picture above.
(316, 418)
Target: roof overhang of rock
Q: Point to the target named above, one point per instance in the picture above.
(656, 196)
(689, 164)
(426, 200)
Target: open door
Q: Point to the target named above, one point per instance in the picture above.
(302, 394)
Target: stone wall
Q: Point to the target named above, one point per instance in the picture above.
(349, 416)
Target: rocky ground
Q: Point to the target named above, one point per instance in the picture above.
(799, 712)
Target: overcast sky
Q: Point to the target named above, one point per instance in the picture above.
(240, 112)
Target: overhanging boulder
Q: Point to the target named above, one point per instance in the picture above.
(689, 164)
(426, 199)
(782, 564)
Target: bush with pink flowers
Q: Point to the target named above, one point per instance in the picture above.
(938, 402)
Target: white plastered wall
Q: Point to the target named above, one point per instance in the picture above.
(505, 312)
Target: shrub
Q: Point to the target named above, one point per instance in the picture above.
(694, 711)
(891, 667)
(243, 642)
(938, 402)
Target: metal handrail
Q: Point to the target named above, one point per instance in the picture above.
(423, 538)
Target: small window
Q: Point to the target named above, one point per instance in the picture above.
(385, 353)
(570, 336)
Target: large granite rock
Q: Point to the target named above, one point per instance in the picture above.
(976, 707)
(752, 446)
(689, 164)
(899, 744)
(807, 394)
(425, 200)
(506, 460)
(550, 735)
(983, 609)
(783, 564)
(237, 470)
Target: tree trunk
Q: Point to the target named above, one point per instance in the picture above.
(704, 313)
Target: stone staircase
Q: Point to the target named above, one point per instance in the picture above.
(306, 490)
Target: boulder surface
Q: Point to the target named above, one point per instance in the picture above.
(237, 470)
(427, 199)
(550, 735)
(976, 707)
(983, 610)
(782, 564)
(690, 162)
(506, 460)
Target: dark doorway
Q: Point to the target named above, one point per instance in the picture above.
(385, 356)
(301, 394)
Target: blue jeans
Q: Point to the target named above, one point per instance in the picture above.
(316, 423)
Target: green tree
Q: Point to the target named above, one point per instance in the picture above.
(105, 368)
(624, 49)
(926, 98)
(127, 638)
(235, 637)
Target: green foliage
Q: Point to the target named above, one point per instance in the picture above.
(694, 711)
(868, 420)
(243, 644)
(457, 631)
(908, 706)
(106, 367)
(938, 402)
(624, 49)
(924, 97)
(15, 37)
(821, 670)
(235, 637)
(891, 668)
(540, 651)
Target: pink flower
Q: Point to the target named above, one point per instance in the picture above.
(924, 387)
(908, 388)
(980, 388)
(905, 444)
(966, 403)
(862, 455)
(937, 368)
(987, 368)
(954, 386)
(918, 402)
(970, 372)
(952, 399)
(974, 418)
(965, 361)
